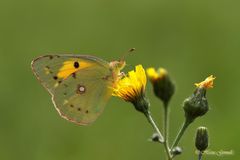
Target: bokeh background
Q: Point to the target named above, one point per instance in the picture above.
(192, 39)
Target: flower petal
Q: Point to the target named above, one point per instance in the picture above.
(207, 83)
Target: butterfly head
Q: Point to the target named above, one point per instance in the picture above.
(117, 66)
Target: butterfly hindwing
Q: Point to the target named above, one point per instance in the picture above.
(80, 85)
(80, 99)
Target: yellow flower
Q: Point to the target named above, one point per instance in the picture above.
(155, 75)
(207, 83)
(131, 87)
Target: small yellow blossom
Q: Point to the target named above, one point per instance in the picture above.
(131, 87)
(155, 75)
(207, 83)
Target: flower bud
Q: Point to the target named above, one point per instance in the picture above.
(201, 141)
(162, 85)
(176, 151)
(196, 105)
(155, 137)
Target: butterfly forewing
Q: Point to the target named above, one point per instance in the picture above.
(80, 85)
(47, 67)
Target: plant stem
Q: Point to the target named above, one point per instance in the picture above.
(180, 133)
(166, 121)
(151, 121)
(200, 156)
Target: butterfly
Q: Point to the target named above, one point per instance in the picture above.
(80, 85)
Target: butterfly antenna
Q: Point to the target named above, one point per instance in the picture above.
(127, 53)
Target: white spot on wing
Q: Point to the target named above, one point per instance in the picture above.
(81, 89)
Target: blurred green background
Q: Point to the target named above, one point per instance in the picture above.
(192, 39)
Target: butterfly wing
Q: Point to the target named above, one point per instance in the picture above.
(80, 85)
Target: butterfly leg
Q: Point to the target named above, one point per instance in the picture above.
(121, 75)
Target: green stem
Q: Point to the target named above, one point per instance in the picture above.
(151, 121)
(180, 133)
(200, 156)
(166, 121)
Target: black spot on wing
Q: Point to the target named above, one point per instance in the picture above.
(76, 64)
